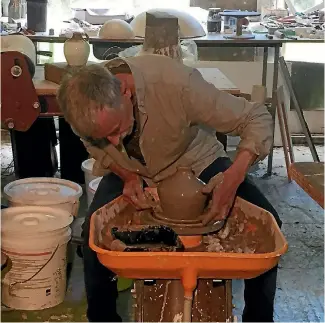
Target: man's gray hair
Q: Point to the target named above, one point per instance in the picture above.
(84, 92)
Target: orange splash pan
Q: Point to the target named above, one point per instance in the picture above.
(189, 266)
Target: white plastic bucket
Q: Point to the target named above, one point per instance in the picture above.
(92, 188)
(87, 168)
(35, 239)
(44, 191)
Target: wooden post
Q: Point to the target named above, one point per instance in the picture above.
(162, 35)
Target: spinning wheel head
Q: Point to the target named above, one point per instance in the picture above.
(18, 112)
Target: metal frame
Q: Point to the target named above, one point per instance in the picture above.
(305, 128)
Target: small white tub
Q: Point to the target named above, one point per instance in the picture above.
(87, 168)
(92, 188)
(35, 239)
(44, 191)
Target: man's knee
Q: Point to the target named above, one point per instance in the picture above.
(251, 193)
(276, 217)
(109, 188)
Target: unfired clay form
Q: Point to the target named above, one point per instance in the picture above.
(77, 49)
(180, 196)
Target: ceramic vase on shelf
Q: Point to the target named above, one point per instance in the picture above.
(180, 195)
(77, 49)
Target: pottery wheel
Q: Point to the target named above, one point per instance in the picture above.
(185, 228)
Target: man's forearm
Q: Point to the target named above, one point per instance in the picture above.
(243, 161)
(121, 172)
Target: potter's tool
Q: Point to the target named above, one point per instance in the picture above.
(148, 238)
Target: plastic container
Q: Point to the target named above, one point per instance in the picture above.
(44, 191)
(37, 15)
(35, 239)
(92, 188)
(187, 266)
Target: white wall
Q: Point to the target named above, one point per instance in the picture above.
(246, 74)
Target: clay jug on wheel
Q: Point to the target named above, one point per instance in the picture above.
(180, 196)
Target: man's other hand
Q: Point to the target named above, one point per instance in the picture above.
(223, 188)
(133, 192)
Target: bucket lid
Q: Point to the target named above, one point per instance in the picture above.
(93, 185)
(34, 219)
(42, 191)
(87, 165)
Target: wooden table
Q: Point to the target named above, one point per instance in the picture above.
(219, 80)
(42, 86)
(310, 177)
(211, 75)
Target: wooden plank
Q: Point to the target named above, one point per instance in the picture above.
(162, 301)
(42, 86)
(310, 177)
(211, 75)
(218, 79)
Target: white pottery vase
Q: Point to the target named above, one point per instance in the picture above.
(77, 49)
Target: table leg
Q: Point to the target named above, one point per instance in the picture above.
(273, 107)
(265, 57)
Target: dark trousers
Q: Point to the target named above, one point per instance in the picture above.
(101, 286)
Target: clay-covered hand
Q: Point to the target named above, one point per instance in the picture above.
(223, 188)
(133, 192)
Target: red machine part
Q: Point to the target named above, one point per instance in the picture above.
(20, 106)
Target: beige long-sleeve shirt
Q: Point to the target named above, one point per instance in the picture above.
(179, 115)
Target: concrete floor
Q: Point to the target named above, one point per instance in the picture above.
(300, 292)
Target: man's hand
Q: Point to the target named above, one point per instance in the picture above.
(223, 187)
(133, 192)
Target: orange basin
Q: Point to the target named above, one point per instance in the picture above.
(189, 266)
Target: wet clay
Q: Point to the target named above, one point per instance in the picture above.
(241, 234)
(180, 196)
(162, 301)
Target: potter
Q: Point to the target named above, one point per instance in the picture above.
(140, 119)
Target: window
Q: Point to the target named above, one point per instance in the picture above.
(304, 5)
(133, 4)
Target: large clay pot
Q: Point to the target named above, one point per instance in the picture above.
(180, 196)
(77, 49)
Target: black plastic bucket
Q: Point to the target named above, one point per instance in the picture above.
(37, 15)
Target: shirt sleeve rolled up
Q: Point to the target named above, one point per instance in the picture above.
(205, 104)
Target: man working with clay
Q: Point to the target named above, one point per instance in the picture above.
(141, 118)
